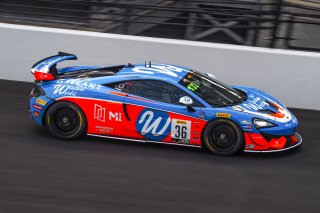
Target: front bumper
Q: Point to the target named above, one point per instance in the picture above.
(270, 143)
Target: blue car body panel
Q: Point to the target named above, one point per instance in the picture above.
(257, 105)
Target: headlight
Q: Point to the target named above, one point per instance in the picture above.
(260, 123)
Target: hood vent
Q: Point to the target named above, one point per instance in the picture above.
(272, 105)
(267, 111)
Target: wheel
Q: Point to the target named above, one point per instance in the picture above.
(65, 120)
(223, 137)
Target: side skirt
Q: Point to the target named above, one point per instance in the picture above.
(143, 141)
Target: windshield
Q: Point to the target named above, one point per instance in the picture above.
(215, 93)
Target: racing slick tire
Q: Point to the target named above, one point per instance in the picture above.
(223, 137)
(65, 120)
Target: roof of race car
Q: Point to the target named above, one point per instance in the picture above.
(153, 71)
(156, 70)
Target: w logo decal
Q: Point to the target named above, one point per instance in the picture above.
(153, 125)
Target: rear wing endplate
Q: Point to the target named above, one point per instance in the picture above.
(45, 69)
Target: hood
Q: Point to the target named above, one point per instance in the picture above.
(264, 106)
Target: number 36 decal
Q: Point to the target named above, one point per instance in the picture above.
(180, 129)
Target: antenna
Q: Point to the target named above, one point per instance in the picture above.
(149, 63)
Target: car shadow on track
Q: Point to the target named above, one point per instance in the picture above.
(202, 151)
(160, 146)
(281, 154)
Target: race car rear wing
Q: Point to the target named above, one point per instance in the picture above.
(45, 70)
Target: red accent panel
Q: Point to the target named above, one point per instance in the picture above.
(108, 118)
(105, 118)
(256, 142)
(141, 99)
(118, 93)
(277, 114)
(41, 76)
(294, 140)
(277, 143)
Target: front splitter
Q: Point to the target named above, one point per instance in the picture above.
(299, 141)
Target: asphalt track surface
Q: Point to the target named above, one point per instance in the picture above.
(39, 173)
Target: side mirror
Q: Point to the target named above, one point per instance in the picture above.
(186, 100)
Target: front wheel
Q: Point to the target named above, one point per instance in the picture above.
(65, 120)
(223, 137)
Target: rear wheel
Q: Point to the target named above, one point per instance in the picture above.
(223, 137)
(65, 120)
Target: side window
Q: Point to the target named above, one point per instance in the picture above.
(126, 86)
(154, 90)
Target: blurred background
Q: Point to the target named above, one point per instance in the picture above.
(285, 24)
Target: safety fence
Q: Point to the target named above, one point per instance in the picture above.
(289, 24)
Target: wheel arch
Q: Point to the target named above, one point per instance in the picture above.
(220, 118)
(43, 120)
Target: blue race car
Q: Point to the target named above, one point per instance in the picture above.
(158, 103)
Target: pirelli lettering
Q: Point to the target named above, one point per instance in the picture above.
(223, 115)
(181, 122)
(41, 102)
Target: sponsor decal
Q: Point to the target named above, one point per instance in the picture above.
(193, 87)
(238, 108)
(67, 90)
(180, 122)
(201, 114)
(36, 114)
(245, 122)
(223, 115)
(247, 127)
(104, 129)
(162, 68)
(41, 102)
(37, 107)
(153, 125)
(255, 103)
(288, 125)
(180, 129)
(115, 116)
(174, 140)
(250, 146)
(79, 83)
(99, 113)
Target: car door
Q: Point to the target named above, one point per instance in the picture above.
(153, 113)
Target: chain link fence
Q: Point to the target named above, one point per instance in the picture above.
(288, 24)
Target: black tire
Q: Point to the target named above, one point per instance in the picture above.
(223, 137)
(65, 120)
